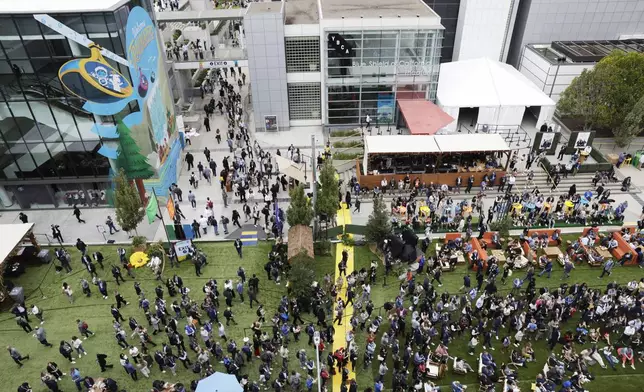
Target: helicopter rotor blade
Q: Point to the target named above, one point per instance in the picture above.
(76, 37)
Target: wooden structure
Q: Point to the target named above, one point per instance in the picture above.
(436, 159)
(300, 240)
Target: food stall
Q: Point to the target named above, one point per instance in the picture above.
(437, 159)
(17, 247)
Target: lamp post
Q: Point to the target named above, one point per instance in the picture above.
(316, 341)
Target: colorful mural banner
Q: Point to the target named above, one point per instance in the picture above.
(152, 209)
(148, 145)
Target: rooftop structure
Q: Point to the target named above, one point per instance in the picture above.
(60, 6)
(374, 8)
(265, 7)
(593, 51)
(302, 12)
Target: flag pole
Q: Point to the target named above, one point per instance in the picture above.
(165, 228)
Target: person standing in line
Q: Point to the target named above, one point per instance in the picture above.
(77, 214)
(110, 224)
(23, 217)
(24, 324)
(224, 196)
(238, 247)
(98, 257)
(206, 123)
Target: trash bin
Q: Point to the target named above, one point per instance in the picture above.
(44, 256)
(17, 294)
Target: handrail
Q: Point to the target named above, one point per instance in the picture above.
(548, 174)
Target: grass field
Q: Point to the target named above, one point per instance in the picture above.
(223, 261)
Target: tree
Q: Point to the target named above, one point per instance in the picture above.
(128, 205)
(379, 225)
(299, 212)
(327, 193)
(130, 159)
(632, 126)
(604, 96)
(301, 278)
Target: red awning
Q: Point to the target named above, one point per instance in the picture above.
(423, 117)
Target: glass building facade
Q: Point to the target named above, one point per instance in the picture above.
(48, 149)
(448, 11)
(384, 65)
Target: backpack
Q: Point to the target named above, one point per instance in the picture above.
(84, 325)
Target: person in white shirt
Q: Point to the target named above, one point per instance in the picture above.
(203, 224)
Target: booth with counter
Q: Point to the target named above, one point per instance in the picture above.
(437, 159)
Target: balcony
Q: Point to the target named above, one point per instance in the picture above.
(206, 59)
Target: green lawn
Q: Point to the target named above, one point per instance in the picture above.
(223, 263)
(60, 316)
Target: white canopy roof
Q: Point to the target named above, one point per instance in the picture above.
(437, 143)
(400, 144)
(486, 83)
(471, 142)
(12, 235)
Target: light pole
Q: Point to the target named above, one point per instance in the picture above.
(559, 61)
(316, 341)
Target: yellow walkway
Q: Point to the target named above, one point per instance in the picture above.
(339, 339)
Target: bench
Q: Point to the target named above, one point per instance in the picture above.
(487, 236)
(623, 247)
(476, 245)
(550, 232)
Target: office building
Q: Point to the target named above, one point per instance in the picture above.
(552, 67)
(332, 62)
(539, 21)
(57, 147)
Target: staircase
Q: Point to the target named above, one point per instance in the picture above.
(582, 180)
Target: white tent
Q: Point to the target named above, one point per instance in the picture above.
(499, 91)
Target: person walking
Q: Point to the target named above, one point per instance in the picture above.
(81, 246)
(110, 224)
(77, 214)
(77, 344)
(190, 160)
(102, 362)
(69, 293)
(116, 273)
(41, 335)
(16, 356)
(83, 329)
(65, 349)
(55, 232)
(238, 247)
(38, 313)
(608, 266)
(23, 217)
(192, 199)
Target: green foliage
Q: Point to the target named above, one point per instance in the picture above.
(343, 133)
(301, 277)
(139, 242)
(299, 211)
(345, 156)
(632, 126)
(347, 240)
(155, 249)
(348, 144)
(176, 34)
(322, 247)
(127, 203)
(503, 226)
(604, 96)
(379, 224)
(130, 158)
(327, 192)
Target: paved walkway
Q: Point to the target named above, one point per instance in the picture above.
(339, 338)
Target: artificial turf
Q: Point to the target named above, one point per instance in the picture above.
(223, 262)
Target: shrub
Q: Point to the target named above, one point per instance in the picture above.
(176, 34)
(349, 144)
(345, 133)
(347, 156)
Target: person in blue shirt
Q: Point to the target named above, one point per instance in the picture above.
(547, 268)
(379, 387)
